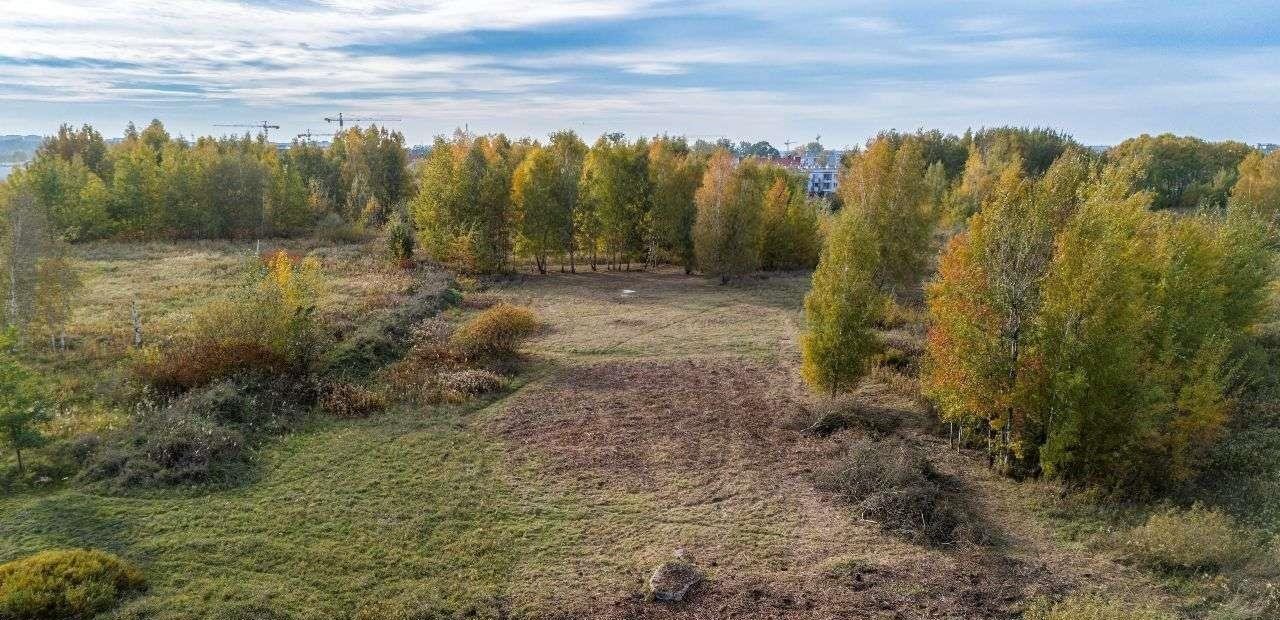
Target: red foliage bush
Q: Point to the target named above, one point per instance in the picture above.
(196, 363)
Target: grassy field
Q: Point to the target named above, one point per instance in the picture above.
(656, 412)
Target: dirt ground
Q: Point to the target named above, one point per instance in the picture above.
(670, 407)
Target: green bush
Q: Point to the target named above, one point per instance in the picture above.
(496, 333)
(333, 229)
(400, 240)
(193, 440)
(61, 584)
(1195, 539)
(1089, 607)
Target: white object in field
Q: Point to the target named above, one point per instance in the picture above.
(137, 325)
(626, 292)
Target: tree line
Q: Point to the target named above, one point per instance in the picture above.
(1083, 323)
(151, 185)
(485, 201)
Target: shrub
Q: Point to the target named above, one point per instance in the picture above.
(896, 486)
(843, 412)
(184, 442)
(175, 369)
(71, 583)
(267, 327)
(1198, 538)
(1089, 607)
(495, 333)
(460, 385)
(400, 240)
(348, 400)
(333, 229)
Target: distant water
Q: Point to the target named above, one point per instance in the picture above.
(5, 169)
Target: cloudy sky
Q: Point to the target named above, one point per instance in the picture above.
(778, 70)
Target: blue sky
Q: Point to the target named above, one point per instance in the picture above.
(1101, 70)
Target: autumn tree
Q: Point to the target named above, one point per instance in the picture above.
(674, 176)
(726, 233)
(1086, 336)
(886, 185)
(463, 208)
(842, 306)
(1258, 184)
(789, 228)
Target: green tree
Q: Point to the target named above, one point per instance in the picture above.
(85, 145)
(1181, 171)
(674, 175)
(73, 198)
(21, 409)
(789, 228)
(569, 153)
(842, 306)
(615, 186)
(542, 217)
(136, 190)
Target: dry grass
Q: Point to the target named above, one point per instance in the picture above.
(666, 314)
(670, 415)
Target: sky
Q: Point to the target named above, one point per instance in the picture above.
(1100, 70)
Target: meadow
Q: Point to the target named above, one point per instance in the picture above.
(653, 412)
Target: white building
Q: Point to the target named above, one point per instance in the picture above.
(823, 170)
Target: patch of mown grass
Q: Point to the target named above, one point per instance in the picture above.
(343, 514)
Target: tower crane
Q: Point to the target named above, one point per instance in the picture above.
(343, 120)
(263, 125)
(308, 135)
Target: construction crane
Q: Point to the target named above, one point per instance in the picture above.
(263, 125)
(343, 120)
(308, 135)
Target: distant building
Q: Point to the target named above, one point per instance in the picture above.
(823, 170)
(1267, 148)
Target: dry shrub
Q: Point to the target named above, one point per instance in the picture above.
(71, 583)
(348, 400)
(480, 301)
(1198, 538)
(1090, 607)
(850, 411)
(175, 369)
(894, 485)
(496, 333)
(895, 315)
(461, 385)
